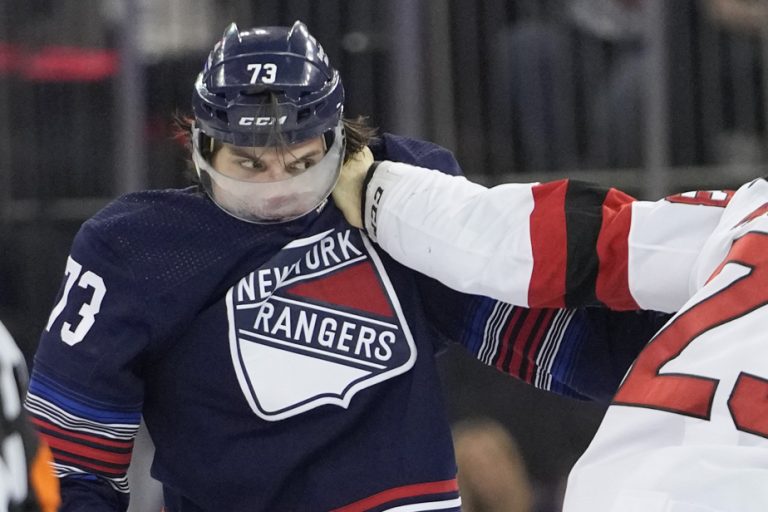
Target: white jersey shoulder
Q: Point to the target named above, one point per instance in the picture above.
(688, 430)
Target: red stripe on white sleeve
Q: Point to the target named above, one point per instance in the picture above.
(612, 284)
(549, 244)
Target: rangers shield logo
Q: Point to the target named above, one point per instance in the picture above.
(316, 324)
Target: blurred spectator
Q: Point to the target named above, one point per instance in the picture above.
(740, 31)
(572, 76)
(492, 473)
(745, 16)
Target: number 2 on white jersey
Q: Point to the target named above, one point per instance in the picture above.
(88, 310)
(692, 395)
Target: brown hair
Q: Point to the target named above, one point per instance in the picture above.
(358, 134)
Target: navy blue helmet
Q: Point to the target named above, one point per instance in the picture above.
(268, 87)
(267, 80)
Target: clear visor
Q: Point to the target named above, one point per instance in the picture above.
(272, 201)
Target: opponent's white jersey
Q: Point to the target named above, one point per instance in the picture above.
(688, 428)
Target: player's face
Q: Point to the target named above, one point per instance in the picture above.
(268, 164)
(271, 184)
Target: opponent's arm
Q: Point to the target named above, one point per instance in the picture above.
(557, 244)
(579, 353)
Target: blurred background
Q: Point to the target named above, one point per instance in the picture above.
(651, 96)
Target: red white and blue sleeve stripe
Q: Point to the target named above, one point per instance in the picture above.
(534, 345)
(581, 353)
(90, 440)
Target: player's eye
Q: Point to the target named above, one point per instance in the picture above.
(301, 165)
(251, 165)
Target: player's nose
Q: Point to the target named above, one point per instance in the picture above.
(276, 172)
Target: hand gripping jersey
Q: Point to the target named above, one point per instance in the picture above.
(284, 367)
(687, 430)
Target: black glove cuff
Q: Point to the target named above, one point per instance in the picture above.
(366, 181)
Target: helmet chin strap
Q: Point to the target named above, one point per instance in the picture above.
(327, 140)
(205, 143)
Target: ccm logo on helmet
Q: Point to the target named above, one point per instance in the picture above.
(262, 121)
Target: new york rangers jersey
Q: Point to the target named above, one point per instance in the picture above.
(687, 430)
(278, 367)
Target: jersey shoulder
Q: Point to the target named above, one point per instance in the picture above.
(163, 236)
(415, 152)
(130, 212)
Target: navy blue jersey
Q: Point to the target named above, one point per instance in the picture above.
(279, 367)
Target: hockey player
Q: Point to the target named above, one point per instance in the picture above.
(27, 482)
(280, 360)
(687, 430)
